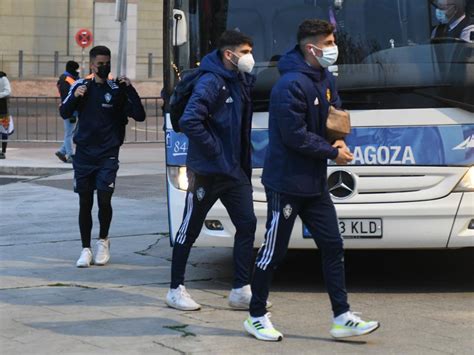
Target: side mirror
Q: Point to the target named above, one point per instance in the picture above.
(180, 28)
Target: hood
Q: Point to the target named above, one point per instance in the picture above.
(212, 62)
(74, 76)
(293, 61)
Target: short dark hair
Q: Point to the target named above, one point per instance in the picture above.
(313, 28)
(233, 39)
(99, 50)
(72, 66)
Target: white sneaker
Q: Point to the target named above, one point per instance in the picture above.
(180, 299)
(262, 328)
(349, 324)
(102, 254)
(239, 298)
(85, 260)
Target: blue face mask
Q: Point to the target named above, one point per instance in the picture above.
(441, 16)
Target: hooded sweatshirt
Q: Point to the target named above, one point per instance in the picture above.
(297, 153)
(217, 121)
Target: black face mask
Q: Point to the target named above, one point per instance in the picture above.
(103, 71)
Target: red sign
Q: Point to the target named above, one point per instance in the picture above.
(84, 38)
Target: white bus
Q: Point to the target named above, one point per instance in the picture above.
(411, 98)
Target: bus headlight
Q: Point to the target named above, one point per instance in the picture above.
(178, 178)
(467, 182)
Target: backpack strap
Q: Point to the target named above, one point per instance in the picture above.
(69, 80)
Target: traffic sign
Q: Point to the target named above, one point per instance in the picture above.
(84, 38)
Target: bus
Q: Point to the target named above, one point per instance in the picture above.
(411, 99)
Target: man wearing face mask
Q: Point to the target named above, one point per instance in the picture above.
(217, 122)
(295, 178)
(454, 21)
(103, 108)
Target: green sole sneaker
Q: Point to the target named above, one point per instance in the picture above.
(262, 329)
(341, 331)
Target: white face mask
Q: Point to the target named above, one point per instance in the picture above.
(245, 63)
(329, 56)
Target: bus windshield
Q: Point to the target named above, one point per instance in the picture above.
(387, 56)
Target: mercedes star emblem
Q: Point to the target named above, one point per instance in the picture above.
(341, 184)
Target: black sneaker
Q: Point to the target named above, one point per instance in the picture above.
(61, 156)
(2, 155)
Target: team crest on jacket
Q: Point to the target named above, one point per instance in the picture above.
(200, 193)
(287, 211)
(328, 94)
(107, 97)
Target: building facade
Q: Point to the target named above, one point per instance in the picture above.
(37, 37)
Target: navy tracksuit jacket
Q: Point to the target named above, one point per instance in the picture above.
(217, 122)
(100, 131)
(103, 113)
(294, 176)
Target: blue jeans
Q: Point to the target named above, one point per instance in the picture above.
(66, 148)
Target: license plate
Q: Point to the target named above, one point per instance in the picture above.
(356, 228)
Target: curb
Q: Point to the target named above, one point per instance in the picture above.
(33, 171)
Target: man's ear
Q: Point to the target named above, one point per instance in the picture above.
(316, 52)
(226, 54)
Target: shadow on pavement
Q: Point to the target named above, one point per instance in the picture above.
(153, 326)
(377, 271)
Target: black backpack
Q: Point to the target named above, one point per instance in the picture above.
(181, 95)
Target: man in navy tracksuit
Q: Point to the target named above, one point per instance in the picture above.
(294, 176)
(103, 106)
(217, 122)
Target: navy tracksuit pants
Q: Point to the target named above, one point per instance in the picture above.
(236, 196)
(319, 215)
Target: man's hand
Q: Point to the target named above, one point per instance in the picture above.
(80, 91)
(124, 80)
(344, 155)
(340, 144)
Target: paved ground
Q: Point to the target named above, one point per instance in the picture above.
(47, 306)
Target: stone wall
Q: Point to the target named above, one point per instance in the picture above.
(40, 27)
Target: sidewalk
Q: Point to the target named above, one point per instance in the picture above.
(48, 306)
(39, 160)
